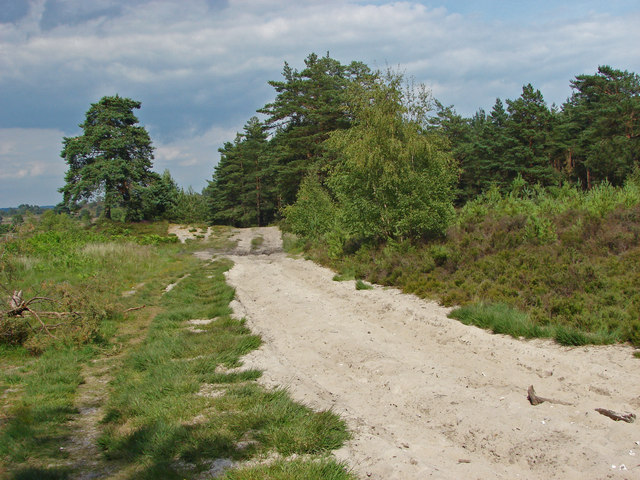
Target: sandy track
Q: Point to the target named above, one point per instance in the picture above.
(425, 396)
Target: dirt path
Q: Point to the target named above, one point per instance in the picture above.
(425, 396)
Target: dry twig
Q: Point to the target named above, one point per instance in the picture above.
(133, 308)
(19, 307)
(624, 417)
(537, 400)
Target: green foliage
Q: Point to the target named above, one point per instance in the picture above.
(557, 254)
(258, 176)
(111, 158)
(593, 138)
(242, 192)
(308, 106)
(189, 207)
(314, 213)
(602, 126)
(391, 178)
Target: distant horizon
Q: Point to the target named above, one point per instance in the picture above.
(46, 207)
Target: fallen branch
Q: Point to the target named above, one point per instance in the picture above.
(134, 308)
(537, 400)
(625, 417)
(44, 325)
(19, 307)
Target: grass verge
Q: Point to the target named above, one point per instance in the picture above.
(85, 270)
(177, 402)
(180, 401)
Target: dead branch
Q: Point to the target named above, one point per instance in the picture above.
(625, 417)
(133, 308)
(58, 314)
(19, 307)
(44, 325)
(537, 400)
(15, 300)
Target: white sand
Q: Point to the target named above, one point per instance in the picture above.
(424, 395)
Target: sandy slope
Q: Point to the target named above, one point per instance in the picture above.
(425, 396)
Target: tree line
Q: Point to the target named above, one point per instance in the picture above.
(594, 137)
(353, 153)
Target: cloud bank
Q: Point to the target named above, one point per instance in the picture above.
(200, 68)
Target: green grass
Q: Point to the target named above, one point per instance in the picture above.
(256, 242)
(155, 417)
(343, 277)
(499, 318)
(503, 319)
(323, 469)
(84, 270)
(35, 426)
(360, 285)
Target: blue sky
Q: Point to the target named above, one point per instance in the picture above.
(200, 67)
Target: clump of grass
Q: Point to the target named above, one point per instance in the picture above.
(503, 319)
(574, 337)
(499, 318)
(360, 285)
(256, 242)
(322, 469)
(343, 277)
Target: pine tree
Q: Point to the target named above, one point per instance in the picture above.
(308, 106)
(112, 158)
(602, 126)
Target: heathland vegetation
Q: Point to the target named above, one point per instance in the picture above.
(93, 382)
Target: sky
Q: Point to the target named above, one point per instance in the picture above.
(201, 67)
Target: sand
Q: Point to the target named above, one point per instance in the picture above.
(424, 395)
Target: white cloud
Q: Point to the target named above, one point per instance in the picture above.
(29, 152)
(192, 158)
(31, 169)
(197, 63)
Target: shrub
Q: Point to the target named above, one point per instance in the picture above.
(314, 214)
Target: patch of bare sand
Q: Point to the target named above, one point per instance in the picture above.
(187, 232)
(428, 397)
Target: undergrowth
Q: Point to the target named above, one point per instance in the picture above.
(569, 259)
(80, 270)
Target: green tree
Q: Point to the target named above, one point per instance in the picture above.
(392, 178)
(112, 158)
(190, 207)
(242, 191)
(308, 106)
(156, 199)
(601, 128)
(529, 128)
(314, 213)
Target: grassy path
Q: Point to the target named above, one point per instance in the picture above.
(165, 395)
